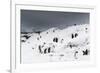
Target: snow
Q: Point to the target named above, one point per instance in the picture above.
(70, 44)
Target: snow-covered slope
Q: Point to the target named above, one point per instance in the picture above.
(68, 44)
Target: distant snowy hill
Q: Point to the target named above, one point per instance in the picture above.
(54, 44)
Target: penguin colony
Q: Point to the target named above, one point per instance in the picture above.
(68, 44)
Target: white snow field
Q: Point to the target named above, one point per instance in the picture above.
(56, 45)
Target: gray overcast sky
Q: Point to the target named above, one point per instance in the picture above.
(32, 20)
